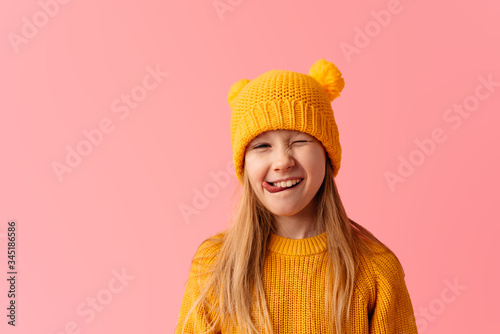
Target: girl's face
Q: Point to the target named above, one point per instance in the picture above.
(282, 154)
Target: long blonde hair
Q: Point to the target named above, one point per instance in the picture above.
(234, 280)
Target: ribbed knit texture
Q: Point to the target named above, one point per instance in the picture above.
(286, 100)
(295, 283)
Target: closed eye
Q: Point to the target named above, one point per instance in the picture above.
(263, 145)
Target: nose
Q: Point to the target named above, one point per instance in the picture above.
(283, 160)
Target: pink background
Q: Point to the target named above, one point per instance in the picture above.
(120, 206)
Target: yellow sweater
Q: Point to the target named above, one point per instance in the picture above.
(294, 281)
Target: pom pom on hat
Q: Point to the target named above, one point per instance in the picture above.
(235, 89)
(329, 77)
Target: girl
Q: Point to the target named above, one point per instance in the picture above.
(292, 261)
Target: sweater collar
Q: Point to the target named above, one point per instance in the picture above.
(288, 246)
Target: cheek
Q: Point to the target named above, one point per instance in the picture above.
(317, 173)
(255, 166)
(256, 173)
(316, 169)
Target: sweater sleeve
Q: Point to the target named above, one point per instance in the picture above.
(393, 312)
(199, 319)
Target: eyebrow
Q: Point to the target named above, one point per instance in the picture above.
(264, 138)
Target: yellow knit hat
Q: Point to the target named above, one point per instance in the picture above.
(286, 100)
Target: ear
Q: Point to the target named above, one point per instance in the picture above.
(329, 77)
(235, 89)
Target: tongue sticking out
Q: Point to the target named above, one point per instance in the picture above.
(274, 189)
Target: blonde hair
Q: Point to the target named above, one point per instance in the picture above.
(234, 280)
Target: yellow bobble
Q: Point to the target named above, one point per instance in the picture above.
(329, 77)
(235, 89)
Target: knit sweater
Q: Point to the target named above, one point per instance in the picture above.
(294, 283)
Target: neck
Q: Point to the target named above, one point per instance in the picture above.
(299, 226)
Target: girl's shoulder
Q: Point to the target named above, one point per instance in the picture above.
(205, 256)
(209, 248)
(380, 271)
(381, 263)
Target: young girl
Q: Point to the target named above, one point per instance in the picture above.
(292, 261)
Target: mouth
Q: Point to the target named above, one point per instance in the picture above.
(274, 189)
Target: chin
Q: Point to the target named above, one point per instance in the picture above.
(286, 212)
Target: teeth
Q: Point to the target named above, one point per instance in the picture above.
(286, 184)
